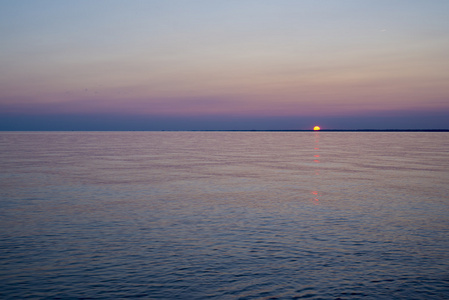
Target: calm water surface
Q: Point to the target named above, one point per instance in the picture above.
(224, 215)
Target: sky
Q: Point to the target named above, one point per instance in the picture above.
(217, 65)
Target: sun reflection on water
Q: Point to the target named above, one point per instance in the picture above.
(316, 159)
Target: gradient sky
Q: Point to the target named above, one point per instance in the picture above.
(234, 64)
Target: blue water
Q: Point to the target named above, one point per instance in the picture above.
(224, 215)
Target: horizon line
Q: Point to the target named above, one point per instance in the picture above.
(242, 130)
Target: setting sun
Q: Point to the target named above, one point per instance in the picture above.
(316, 128)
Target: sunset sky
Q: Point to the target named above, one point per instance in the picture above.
(233, 64)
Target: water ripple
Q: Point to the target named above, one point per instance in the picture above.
(224, 216)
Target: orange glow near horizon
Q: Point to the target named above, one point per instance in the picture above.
(316, 128)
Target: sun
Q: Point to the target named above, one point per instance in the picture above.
(316, 128)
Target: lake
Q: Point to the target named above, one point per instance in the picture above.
(224, 215)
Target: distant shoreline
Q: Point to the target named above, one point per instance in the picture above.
(329, 130)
